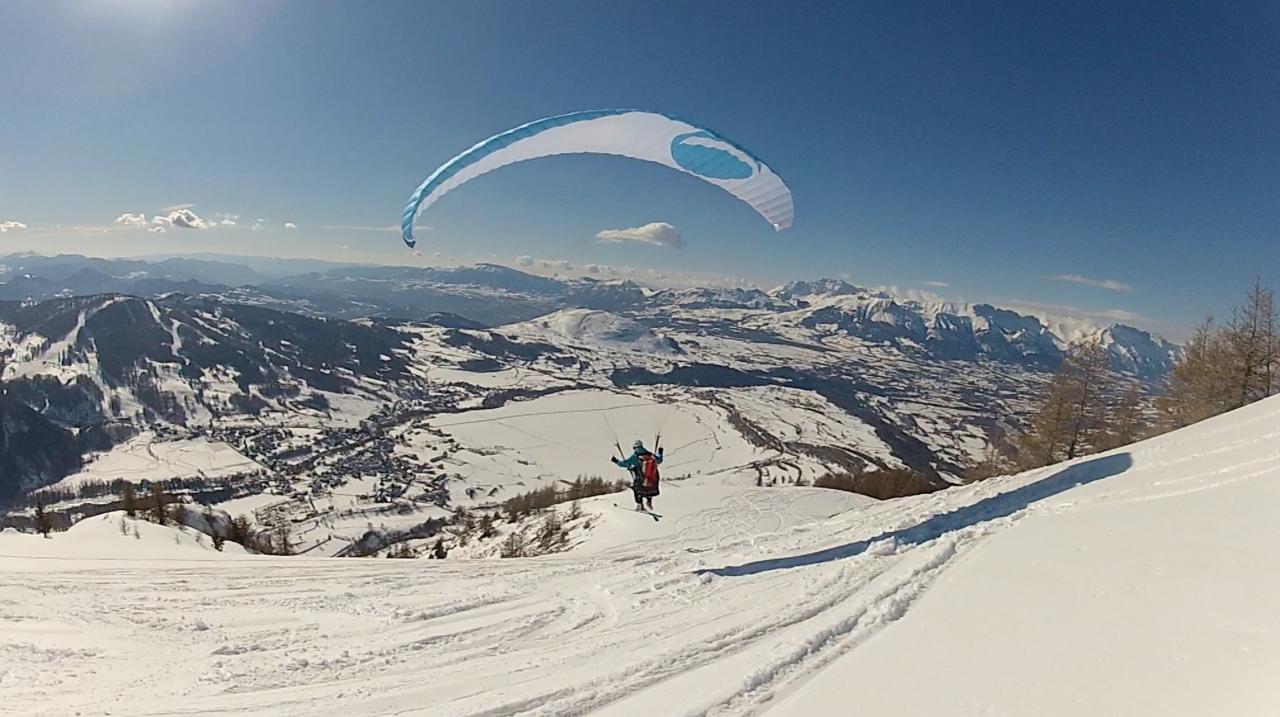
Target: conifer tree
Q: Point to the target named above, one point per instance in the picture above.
(129, 498)
(44, 523)
(159, 503)
(1072, 410)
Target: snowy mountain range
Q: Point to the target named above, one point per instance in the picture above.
(208, 347)
(492, 295)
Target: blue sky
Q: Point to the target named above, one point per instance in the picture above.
(1129, 149)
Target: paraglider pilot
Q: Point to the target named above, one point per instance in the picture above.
(644, 473)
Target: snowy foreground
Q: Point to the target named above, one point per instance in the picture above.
(1140, 582)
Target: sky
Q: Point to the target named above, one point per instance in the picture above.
(1112, 161)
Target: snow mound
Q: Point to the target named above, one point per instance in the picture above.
(703, 517)
(115, 535)
(596, 329)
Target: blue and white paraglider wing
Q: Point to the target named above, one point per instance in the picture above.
(627, 133)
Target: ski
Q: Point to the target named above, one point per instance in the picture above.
(656, 516)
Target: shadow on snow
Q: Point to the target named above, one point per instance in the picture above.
(992, 508)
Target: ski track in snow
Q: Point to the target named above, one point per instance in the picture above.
(733, 609)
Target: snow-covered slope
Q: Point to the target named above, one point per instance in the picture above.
(115, 536)
(86, 361)
(599, 329)
(144, 458)
(1140, 581)
(1151, 592)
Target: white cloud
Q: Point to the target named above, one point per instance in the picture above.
(524, 261)
(1070, 322)
(920, 295)
(1108, 284)
(185, 219)
(937, 284)
(656, 233)
(290, 225)
(131, 220)
(157, 229)
(11, 226)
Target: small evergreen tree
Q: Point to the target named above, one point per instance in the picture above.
(44, 523)
(129, 498)
(438, 551)
(159, 503)
(514, 546)
(551, 534)
(240, 531)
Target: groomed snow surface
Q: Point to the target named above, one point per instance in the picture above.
(1138, 582)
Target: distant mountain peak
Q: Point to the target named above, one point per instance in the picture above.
(818, 287)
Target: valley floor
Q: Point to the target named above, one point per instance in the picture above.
(1141, 581)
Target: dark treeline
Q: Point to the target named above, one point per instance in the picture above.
(200, 490)
(521, 505)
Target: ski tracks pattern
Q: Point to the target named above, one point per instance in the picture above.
(741, 604)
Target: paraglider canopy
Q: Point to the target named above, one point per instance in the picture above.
(636, 134)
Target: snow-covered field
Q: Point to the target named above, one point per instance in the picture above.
(1141, 581)
(145, 458)
(589, 329)
(569, 434)
(559, 437)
